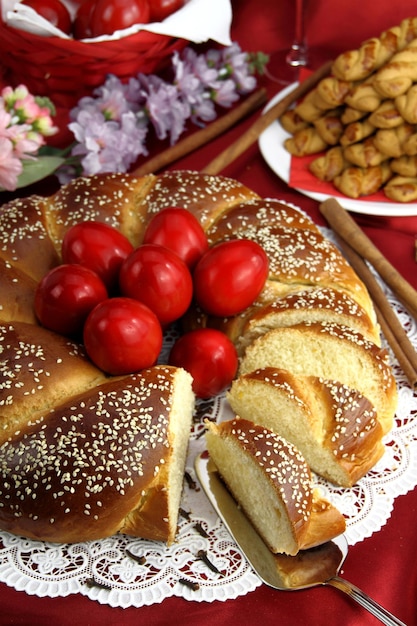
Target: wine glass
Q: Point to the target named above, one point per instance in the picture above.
(286, 63)
(297, 56)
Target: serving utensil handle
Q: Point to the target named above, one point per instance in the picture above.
(365, 601)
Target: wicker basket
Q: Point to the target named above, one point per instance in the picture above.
(67, 69)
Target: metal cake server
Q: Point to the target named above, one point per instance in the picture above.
(310, 568)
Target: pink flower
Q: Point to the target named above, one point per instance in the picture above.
(10, 165)
(24, 141)
(28, 109)
(5, 119)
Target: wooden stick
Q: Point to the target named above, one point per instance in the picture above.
(252, 134)
(203, 136)
(387, 319)
(347, 229)
(407, 368)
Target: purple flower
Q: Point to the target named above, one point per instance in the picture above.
(239, 68)
(107, 145)
(192, 88)
(110, 127)
(226, 94)
(165, 109)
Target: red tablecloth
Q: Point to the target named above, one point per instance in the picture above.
(384, 565)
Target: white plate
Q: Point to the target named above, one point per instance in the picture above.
(271, 144)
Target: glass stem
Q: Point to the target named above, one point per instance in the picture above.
(297, 56)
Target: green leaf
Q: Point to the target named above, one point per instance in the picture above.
(38, 169)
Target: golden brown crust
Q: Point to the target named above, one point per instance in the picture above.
(330, 127)
(330, 351)
(334, 426)
(85, 465)
(38, 369)
(273, 463)
(114, 199)
(386, 115)
(203, 195)
(326, 522)
(305, 141)
(280, 464)
(405, 165)
(329, 165)
(357, 181)
(17, 292)
(364, 154)
(356, 131)
(363, 97)
(402, 189)
(392, 141)
(373, 53)
(317, 304)
(397, 76)
(291, 121)
(24, 238)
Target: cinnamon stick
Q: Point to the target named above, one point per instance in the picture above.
(252, 134)
(390, 324)
(203, 136)
(347, 229)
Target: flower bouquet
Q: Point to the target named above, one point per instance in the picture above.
(111, 127)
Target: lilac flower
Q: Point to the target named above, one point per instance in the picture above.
(107, 145)
(237, 61)
(165, 109)
(114, 98)
(192, 87)
(110, 127)
(226, 94)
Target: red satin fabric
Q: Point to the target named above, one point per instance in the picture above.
(384, 565)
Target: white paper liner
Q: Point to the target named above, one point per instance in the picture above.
(197, 21)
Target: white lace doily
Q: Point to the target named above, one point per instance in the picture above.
(204, 564)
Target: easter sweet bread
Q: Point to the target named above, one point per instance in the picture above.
(75, 441)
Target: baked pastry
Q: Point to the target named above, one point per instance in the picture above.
(362, 181)
(375, 52)
(270, 479)
(392, 141)
(397, 76)
(46, 379)
(305, 141)
(405, 165)
(333, 352)
(356, 131)
(329, 165)
(402, 189)
(315, 304)
(364, 154)
(333, 426)
(108, 460)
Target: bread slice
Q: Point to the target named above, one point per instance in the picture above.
(334, 427)
(318, 304)
(333, 352)
(270, 479)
